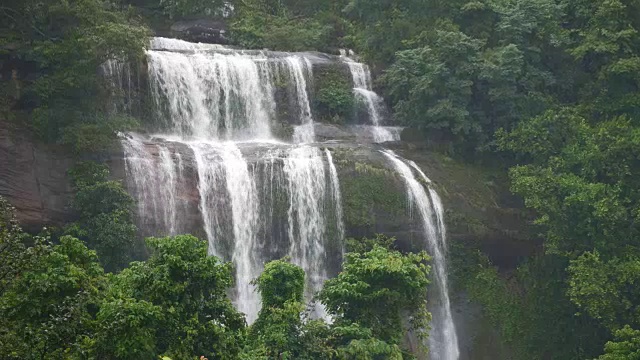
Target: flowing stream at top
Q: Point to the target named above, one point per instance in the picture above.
(210, 165)
(374, 103)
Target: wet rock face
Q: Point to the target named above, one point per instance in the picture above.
(33, 177)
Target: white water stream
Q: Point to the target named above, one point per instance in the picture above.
(362, 83)
(443, 340)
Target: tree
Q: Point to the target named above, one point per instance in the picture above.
(126, 328)
(607, 290)
(276, 26)
(61, 44)
(606, 45)
(46, 311)
(431, 86)
(368, 301)
(213, 8)
(277, 333)
(182, 294)
(105, 211)
(15, 255)
(626, 345)
(582, 180)
(376, 289)
(382, 28)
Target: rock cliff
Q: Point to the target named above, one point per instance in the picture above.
(33, 177)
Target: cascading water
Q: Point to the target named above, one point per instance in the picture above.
(337, 195)
(443, 339)
(217, 106)
(119, 73)
(362, 83)
(216, 171)
(299, 70)
(221, 96)
(156, 191)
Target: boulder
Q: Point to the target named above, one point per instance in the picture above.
(201, 30)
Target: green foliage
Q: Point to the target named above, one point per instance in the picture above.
(59, 305)
(626, 345)
(463, 68)
(179, 8)
(279, 283)
(189, 289)
(276, 332)
(382, 27)
(333, 98)
(582, 181)
(579, 165)
(362, 246)
(57, 302)
(15, 255)
(87, 173)
(372, 189)
(45, 311)
(529, 307)
(126, 329)
(431, 86)
(260, 24)
(62, 44)
(105, 215)
(606, 290)
(370, 349)
(554, 84)
(376, 288)
(98, 135)
(368, 300)
(606, 46)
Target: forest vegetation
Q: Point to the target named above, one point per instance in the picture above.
(547, 89)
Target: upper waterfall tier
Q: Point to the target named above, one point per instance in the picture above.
(214, 92)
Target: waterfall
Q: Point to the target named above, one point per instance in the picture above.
(118, 75)
(299, 69)
(362, 83)
(210, 164)
(443, 341)
(222, 96)
(213, 196)
(154, 190)
(336, 194)
(212, 92)
(305, 172)
(167, 177)
(243, 194)
(360, 74)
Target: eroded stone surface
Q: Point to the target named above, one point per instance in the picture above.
(33, 177)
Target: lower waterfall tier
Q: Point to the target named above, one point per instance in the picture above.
(260, 201)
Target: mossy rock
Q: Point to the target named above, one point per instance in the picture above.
(374, 198)
(481, 212)
(370, 191)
